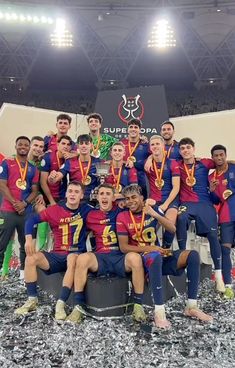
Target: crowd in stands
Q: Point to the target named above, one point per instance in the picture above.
(180, 103)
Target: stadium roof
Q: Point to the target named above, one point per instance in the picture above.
(110, 44)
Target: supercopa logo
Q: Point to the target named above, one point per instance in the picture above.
(130, 108)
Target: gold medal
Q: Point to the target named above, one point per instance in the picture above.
(159, 183)
(119, 188)
(227, 193)
(191, 181)
(132, 158)
(87, 181)
(21, 184)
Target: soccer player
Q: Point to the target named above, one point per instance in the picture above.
(63, 124)
(222, 186)
(171, 146)
(164, 182)
(102, 143)
(119, 175)
(195, 203)
(82, 168)
(19, 188)
(53, 160)
(106, 258)
(136, 229)
(67, 221)
(136, 151)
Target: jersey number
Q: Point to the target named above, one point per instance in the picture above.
(109, 237)
(65, 231)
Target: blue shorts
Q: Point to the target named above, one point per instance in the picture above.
(227, 232)
(174, 204)
(57, 262)
(112, 264)
(203, 213)
(169, 264)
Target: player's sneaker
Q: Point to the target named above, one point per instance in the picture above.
(219, 286)
(197, 313)
(138, 313)
(29, 306)
(77, 315)
(229, 293)
(60, 314)
(160, 319)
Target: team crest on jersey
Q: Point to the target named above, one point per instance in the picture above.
(43, 162)
(130, 108)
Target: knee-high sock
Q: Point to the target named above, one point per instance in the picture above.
(42, 234)
(32, 289)
(7, 258)
(193, 274)
(215, 249)
(181, 231)
(65, 293)
(167, 239)
(226, 264)
(155, 279)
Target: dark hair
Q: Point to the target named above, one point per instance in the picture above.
(22, 137)
(105, 185)
(77, 183)
(37, 138)
(67, 137)
(95, 115)
(135, 122)
(84, 138)
(218, 147)
(169, 123)
(186, 141)
(132, 188)
(64, 117)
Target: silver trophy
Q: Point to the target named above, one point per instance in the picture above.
(102, 171)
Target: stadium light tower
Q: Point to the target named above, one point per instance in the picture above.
(162, 35)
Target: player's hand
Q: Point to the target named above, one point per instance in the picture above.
(50, 133)
(30, 248)
(213, 185)
(68, 155)
(52, 177)
(19, 206)
(150, 202)
(148, 210)
(149, 164)
(129, 163)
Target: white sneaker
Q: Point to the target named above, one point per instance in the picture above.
(60, 314)
(29, 306)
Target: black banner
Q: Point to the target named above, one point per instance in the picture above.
(120, 106)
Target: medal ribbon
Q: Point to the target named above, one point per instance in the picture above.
(138, 232)
(83, 171)
(58, 159)
(190, 172)
(167, 153)
(23, 171)
(117, 177)
(97, 146)
(132, 150)
(217, 174)
(159, 172)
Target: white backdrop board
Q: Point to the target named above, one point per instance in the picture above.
(16, 120)
(207, 130)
